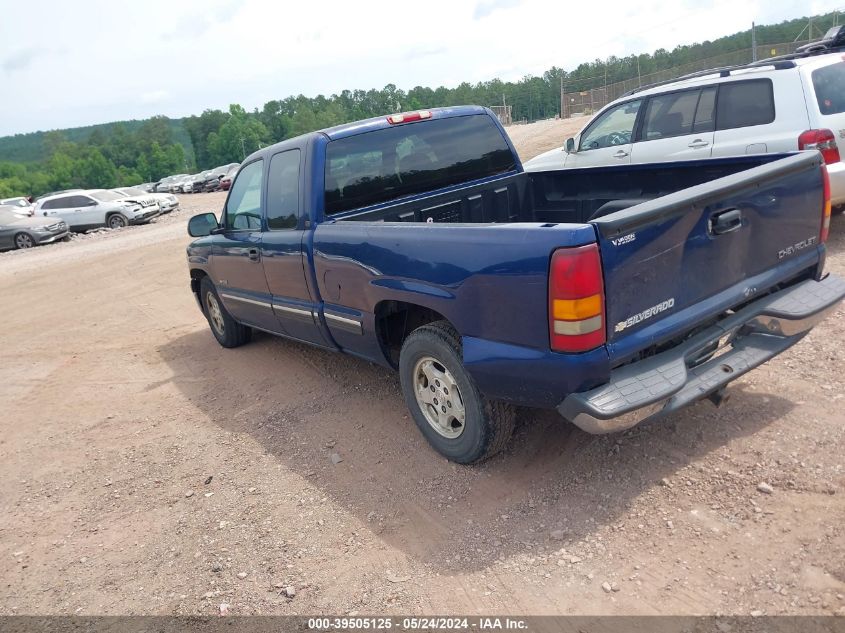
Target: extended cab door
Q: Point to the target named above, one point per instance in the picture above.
(608, 139)
(236, 252)
(283, 253)
(676, 126)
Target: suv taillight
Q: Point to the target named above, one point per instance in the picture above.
(826, 208)
(822, 140)
(576, 299)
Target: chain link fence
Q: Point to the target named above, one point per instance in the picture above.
(585, 102)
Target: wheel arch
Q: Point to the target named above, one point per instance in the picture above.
(394, 322)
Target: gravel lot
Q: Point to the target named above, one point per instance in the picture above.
(147, 470)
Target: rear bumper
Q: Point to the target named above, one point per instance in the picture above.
(666, 382)
(836, 171)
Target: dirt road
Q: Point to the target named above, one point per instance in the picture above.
(147, 470)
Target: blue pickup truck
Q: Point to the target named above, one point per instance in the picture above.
(612, 294)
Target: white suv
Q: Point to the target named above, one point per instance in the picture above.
(772, 106)
(85, 210)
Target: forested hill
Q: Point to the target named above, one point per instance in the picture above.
(217, 137)
(25, 148)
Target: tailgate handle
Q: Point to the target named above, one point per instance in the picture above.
(726, 222)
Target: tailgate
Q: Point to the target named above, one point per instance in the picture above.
(724, 241)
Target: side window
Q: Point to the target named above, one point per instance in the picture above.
(614, 127)
(670, 115)
(79, 201)
(50, 204)
(704, 119)
(283, 191)
(60, 203)
(745, 103)
(243, 208)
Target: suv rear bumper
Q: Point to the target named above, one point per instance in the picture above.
(705, 363)
(836, 171)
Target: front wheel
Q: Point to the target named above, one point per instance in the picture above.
(24, 240)
(227, 331)
(117, 221)
(456, 419)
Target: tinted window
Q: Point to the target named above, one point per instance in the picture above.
(614, 127)
(79, 201)
(704, 121)
(670, 115)
(57, 203)
(283, 190)
(408, 159)
(745, 103)
(829, 84)
(243, 207)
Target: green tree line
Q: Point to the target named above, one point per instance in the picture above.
(132, 152)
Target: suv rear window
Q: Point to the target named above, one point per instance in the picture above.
(414, 158)
(829, 85)
(745, 103)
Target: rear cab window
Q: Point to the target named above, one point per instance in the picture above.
(410, 159)
(829, 86)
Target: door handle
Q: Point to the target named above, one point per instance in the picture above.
(727, 221)
(698, 143)
(253, 254)
(620, 154)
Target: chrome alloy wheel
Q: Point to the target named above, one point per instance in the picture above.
(439, 398)
(215, 313)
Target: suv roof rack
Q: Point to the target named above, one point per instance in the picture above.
(832, 42)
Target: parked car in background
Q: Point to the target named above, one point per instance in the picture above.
(166, 201)
(796, 102)
(146, 200)
(198, 181)
(26, 232)
(212, 184)
(86, 210)
(22, 206)
(169, 184)
(226, 181)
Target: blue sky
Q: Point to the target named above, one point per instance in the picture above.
(92, 61)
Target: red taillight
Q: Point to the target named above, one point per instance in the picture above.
(822, 140)
(826, 208)
(408, 117)
(576, 299)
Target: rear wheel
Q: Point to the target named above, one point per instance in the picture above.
(24, 240)
(227, 331)
(117, 221)
(456, 419)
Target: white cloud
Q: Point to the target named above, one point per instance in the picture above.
(160, 57)
(156, 96)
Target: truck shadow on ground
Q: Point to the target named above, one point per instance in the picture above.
(303, 405)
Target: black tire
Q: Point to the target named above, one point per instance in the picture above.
(117, 221)
(227, 331)
(487, 424)
(24, 240)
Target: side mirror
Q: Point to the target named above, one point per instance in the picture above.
(202, 225)
(570, 145)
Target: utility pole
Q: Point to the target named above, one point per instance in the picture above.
(243, 148)
(753, 43)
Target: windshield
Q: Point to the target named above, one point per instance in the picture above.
(133, 191)
(17, 202)
(105, 196)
